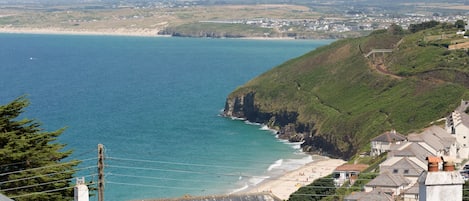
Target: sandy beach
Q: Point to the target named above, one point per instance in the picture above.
(291, 181)
(109, 32)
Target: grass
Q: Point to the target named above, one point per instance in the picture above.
(345, 102)
(207, 29)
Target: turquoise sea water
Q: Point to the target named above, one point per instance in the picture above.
(154, 103)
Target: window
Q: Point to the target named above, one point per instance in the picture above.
(464, 137)
(395, 171)
(406, 171)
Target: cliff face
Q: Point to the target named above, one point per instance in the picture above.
(286, 123)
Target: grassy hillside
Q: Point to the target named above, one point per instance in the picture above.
(338, 99)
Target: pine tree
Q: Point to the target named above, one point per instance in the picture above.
(32, 165)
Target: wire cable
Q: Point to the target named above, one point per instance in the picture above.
(41, 192)
(153, 186)
(50, 174)
(162, 178)
(183, 171)
(178, 163)
(43, 167)
(42, 184)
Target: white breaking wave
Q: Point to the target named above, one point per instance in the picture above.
(246, 186)
(277, 163)
(252, 123)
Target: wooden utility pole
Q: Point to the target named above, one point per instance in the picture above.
(100, 172)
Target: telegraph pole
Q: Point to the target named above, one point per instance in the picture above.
(100, 172)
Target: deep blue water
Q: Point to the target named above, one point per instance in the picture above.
(154, 103)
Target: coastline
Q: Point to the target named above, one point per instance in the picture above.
(104, 32)
(110, 32)
(289, 182)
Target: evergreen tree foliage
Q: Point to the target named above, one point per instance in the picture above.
(422, 26)
(460, 24)
(32, 164)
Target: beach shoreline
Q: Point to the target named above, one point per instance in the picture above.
(284, 185)
(105, 32)
(109, 32)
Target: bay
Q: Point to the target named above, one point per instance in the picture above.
(154, 103)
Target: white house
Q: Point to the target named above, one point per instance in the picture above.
(383, 142)
(347, 172)
(457, 124)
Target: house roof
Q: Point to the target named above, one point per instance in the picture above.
(441, 178)
(374, 195)
(352, 167)
(4, 198)
(414, 190)
(265, 196)
(437, 138)
(411, 149)
(388, 179)
(389, 136)
(402, 165)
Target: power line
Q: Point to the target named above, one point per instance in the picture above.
(162, 178)
(41, 184)
(11, 164)
(182, 171)
(50, 174)
(154, 186)
(211, 158)
(41, 192)
(178, 163)
(43, 167)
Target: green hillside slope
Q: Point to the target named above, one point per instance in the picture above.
(336, 99)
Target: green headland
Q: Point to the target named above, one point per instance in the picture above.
(337, 97)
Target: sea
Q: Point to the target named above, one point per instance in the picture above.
(154, 103)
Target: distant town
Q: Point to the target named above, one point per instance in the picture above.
(301, 19)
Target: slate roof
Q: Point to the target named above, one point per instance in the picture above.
(435, 136)
(4, 198)
(404, 166)
(265, 196)
(414, 190)
(411, 149)
(441, 178)
(374, 195)
(388, 179)
(389, 136)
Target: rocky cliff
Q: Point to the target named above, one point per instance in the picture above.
(285, 122)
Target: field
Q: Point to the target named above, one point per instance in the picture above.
(142, 19)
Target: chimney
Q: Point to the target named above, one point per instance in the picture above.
(433, 163)
(448, 164)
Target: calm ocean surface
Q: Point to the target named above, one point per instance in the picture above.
(154, 103)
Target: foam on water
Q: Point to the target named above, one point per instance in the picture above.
(277, 163)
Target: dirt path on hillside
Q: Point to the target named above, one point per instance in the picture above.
(379, 67)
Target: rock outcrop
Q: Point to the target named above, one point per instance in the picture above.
(285, 122)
